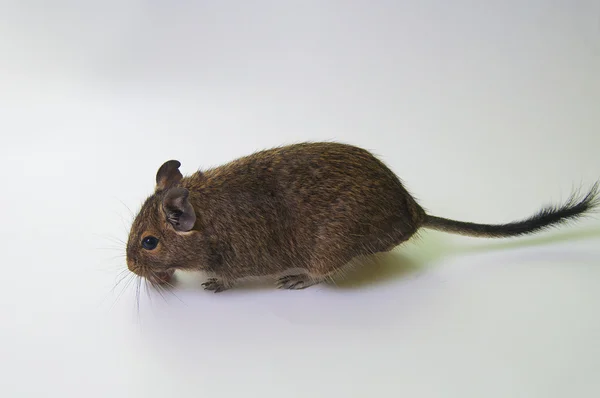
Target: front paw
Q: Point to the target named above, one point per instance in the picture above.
(214, 284)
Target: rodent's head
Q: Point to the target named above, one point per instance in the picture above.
(159, 240)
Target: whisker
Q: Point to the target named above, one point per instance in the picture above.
(116, 240)
(122, 275)
(127, 284)
(120, 278)
(112, 267)
(173, 293)
(160, 288)
(131, 215)
(112, 239)
(114, 249)
(160, 291)
(123, 224)
(157, 287)
(127, 207)
(137, 297)
(148, 291)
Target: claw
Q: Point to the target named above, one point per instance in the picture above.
(294, 282)
(214, 284)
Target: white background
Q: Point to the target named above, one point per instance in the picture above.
(486, 110)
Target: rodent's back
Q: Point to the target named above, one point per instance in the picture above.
(316, 176)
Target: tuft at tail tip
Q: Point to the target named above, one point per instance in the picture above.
(576, 207)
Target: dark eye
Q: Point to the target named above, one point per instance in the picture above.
(149, 242)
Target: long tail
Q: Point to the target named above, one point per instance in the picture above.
(576, 207)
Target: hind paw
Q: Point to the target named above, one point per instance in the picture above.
(295, 282)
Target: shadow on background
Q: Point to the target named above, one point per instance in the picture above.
(416, 257)
(381, 268)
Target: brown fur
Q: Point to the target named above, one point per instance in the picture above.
(298, 212)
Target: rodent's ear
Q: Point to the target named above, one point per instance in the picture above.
(179, 210)
(168, 175)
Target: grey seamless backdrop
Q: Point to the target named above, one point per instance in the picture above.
(485, 110)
